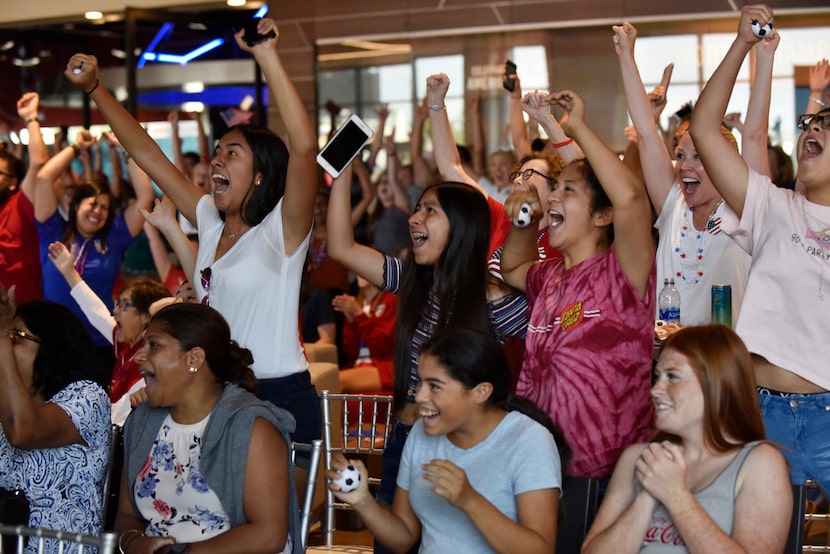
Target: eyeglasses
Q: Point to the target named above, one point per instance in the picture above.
(205, 275)
(17, 335)
(823, 119)
(528, 173)
(124, 304)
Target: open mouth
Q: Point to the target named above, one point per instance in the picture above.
(418, 239)
(812, 147)
(556, 218)
(220, 183)
(690, 185)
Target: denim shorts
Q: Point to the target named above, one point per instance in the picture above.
(800, 423)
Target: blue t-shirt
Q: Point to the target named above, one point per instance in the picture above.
(97, 262)
(518, 456)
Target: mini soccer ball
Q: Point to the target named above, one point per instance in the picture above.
(759, 30)
(523, 219)
(349, 479)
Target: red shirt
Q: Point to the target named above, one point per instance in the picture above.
(19, 257)
(376, 331)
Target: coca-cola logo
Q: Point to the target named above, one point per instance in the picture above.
(663, 531)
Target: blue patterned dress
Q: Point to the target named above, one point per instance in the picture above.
(64, 485)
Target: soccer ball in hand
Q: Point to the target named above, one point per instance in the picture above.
(523, 219)
(759, 30)
(349, 478)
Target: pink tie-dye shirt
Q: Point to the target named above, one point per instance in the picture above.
(588, 355)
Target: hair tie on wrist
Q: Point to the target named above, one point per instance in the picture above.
(90, 91)
(76, 149)
(32, 120)
(565, 142)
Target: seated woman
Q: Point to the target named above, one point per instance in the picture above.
(368, 338)
(709, 482)
(459, 489)
(55, 436)
(206, 463)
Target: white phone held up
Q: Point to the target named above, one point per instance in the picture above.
(346, 143)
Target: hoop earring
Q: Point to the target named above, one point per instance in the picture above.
(192, 369)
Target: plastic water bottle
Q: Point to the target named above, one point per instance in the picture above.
(668, 302)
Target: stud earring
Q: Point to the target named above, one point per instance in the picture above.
(192, 369)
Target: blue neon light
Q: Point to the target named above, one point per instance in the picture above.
(261, 11)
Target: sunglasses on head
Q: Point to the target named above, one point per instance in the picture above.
(807, 119)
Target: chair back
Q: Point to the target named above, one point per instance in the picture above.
(86, 544)
(352, 424)
(795, 538)
(314, 451)
(109, 494)
(580, 500)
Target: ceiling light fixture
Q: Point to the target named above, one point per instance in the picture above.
(236, 3)
(93, 15)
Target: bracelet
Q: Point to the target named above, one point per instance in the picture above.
(76, 149)
(90, 91)
(819, 101)
(437, 107)
(565, 142)
(32, 120)
(131, 534)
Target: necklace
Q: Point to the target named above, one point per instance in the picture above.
(690, 245)
(822, 240)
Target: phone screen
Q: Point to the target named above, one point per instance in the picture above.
(342, 148)
(509, 69)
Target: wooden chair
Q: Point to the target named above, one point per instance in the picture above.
(85, 544)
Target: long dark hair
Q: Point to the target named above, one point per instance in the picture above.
(472, 358)
(270, 157)
(461, 283)
(66, 353)
(82, 192)
(198, 325)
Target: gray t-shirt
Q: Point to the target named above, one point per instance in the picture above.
(518, 456)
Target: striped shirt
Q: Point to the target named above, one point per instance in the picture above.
(508, 317)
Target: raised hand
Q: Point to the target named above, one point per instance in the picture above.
(27, 106)
(62, 257)
(758, 12)
(82, 71)
(163, 216)
(820, 78)
(265, 26)
(437, 86)
(574, 107)
(624, 37)
(537, 105)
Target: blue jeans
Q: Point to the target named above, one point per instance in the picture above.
(800, 423)
(390, 463)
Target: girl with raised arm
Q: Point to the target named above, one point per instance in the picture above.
(588, 351)
(442, 284)
(253, 231)
(784, 315)
(691, 248)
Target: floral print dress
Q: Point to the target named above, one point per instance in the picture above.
(170, 491)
